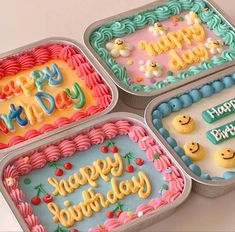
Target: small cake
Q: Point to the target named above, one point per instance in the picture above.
(159, 46)
(95, 181)
(209, 148)
(47, 87)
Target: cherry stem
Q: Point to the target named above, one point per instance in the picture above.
(61, 229)
(110, 143)
(40, 189)
(118, 207)
(54, 164)
(128, 157)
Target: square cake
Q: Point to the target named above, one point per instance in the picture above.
(199, 124)
(45, 87)
(163, 44)
(96, 180)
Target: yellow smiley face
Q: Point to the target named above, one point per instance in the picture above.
(183, 124)
(225, 157)
(194, 150)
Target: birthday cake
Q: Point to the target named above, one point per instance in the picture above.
(199, 125)
(47, 87)
(95, 181)
(165, 44)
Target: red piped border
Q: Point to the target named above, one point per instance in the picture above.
(76, 61)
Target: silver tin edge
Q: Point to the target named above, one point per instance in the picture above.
(141, 98)
(96, 66)
(204, 187)
(154, 216)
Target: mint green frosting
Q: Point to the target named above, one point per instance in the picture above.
(128, 25)
(175, 7)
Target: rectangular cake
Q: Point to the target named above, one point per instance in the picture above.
(199, 124)
(162, 44)
(46, 86)
(100, 178)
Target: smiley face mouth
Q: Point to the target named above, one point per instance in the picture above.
(197, 149)
(153, 65)
(185, 123)
(119, 42)
(231, 157)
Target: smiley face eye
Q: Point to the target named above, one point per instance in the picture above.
(193, 143)
(190, 149)
(184, 116)
(228, 151)
(222, 154)
(180, 121)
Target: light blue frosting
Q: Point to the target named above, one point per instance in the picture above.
(186, 100)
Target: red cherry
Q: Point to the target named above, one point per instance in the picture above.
(73, 230)
(109, 214)
(35, 200)
(114, 149)
(129, 168)
(68, 165)
(59, 172)
(104, 149)
(118, 213)
(47, 198)
(139, 161)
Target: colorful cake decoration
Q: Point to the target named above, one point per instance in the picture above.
(49, 79)
(225, 157)
(214, 45)
(158, 29)
(194, 150)
(151, 69)
(184, 124)
(119, 48)
(119, 178)
(182, 37)
(192, 18)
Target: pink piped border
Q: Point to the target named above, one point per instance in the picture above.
(84, 141)
(76, 61)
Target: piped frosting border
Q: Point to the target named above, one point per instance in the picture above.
(128, 25)
(68, 147)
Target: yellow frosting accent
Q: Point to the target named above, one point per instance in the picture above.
(190, 56)
(89, 174)
(26, 84)
(94, 202)
(174, 39)
(67, 203)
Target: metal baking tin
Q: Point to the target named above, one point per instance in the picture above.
(82, 50)
(203, 187)
(139, 99)
(139, 223)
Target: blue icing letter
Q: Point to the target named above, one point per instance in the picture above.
(54, 75)
(39, 78)
(39, 97)
(15, 113)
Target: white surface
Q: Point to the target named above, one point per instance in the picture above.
(23, 22)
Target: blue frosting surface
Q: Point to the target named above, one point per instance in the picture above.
(79, 160)
(186, 100)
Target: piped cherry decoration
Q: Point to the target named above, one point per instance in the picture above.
(104, 149)
(59, 172)
(109, 146)
(130, 168)
(68, 165)
(139, 161)
(73, 230)
(47, 198)
(116, 211)
(36, 200)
